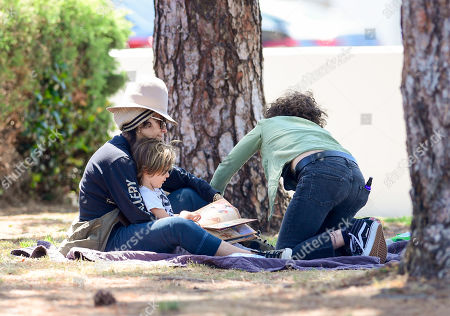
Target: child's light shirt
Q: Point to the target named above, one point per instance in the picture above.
(155, 198)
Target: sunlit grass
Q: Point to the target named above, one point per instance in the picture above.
(27, 243)
(79, 272)
(168, 306)
(405, 220)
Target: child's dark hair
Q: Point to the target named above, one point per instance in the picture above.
(297, 104)
(153, 156)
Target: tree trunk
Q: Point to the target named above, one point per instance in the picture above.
(425, 89)
(210, 56)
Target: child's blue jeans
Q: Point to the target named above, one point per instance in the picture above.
(163, 235)
(329, 192)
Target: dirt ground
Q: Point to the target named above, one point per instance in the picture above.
(38, 287)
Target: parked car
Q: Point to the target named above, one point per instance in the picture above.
(289, 24)
(313, 23)
(275, 32)
(141, 14)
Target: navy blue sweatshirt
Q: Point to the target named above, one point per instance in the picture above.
(110, 181)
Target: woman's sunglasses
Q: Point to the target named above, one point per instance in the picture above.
(162, 123)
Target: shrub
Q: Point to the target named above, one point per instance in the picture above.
(56, 75)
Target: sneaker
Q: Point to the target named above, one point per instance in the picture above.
(280, 253)
(258, 244)
(367, 238)
(248, 255)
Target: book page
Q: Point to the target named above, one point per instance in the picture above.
(217, 212)
(234, 234)
(228, 224)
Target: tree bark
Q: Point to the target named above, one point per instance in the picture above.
(210, 56)
(425, 89)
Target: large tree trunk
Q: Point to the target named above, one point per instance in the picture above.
(210, 56)
(425, 89)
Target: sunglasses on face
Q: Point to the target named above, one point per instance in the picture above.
(162, 123)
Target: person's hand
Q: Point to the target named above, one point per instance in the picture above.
(191, 216)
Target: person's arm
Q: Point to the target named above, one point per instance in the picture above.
(180, 178)
(238, 156)
(120, 180)
(159, 212)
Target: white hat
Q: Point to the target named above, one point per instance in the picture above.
(140, 100)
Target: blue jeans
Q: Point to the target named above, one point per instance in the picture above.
(163, 235)
(329, 192)
(185, 199)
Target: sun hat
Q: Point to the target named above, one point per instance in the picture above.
(141, 99)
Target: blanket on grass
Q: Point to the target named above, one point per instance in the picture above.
(250, 264)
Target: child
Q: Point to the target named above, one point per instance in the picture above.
(154, 159)
(329, 187)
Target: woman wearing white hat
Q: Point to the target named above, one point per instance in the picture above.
(143, 114)
(109, 184)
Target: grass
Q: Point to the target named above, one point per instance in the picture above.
(27, 243)
(270, 239)
(50, 238)
(168, 306)
(405, 220)
(151, 289)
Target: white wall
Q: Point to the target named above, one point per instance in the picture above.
(359, 88)
(350, 82)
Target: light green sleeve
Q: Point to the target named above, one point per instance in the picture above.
(239, 155)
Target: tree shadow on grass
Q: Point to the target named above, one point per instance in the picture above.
(37, 208)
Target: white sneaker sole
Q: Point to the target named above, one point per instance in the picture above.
(376, 244)
(287, 254)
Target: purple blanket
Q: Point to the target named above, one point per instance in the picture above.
(249, 264)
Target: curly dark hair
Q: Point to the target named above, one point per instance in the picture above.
(298, 104)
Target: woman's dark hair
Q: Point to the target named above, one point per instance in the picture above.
(297, 104)
(130, 136)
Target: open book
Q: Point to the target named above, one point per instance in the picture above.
(223, 220)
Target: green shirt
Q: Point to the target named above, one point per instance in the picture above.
(279, 139)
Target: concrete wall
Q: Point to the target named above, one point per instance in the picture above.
(359, 88)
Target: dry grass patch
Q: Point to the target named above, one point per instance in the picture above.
(40, 286)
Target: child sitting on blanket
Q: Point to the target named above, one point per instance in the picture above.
(154, 159)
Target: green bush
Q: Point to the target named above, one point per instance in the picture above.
(56, 74)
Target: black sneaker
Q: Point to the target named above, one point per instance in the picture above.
(367, 238)
(257, 244)
(280, 253)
